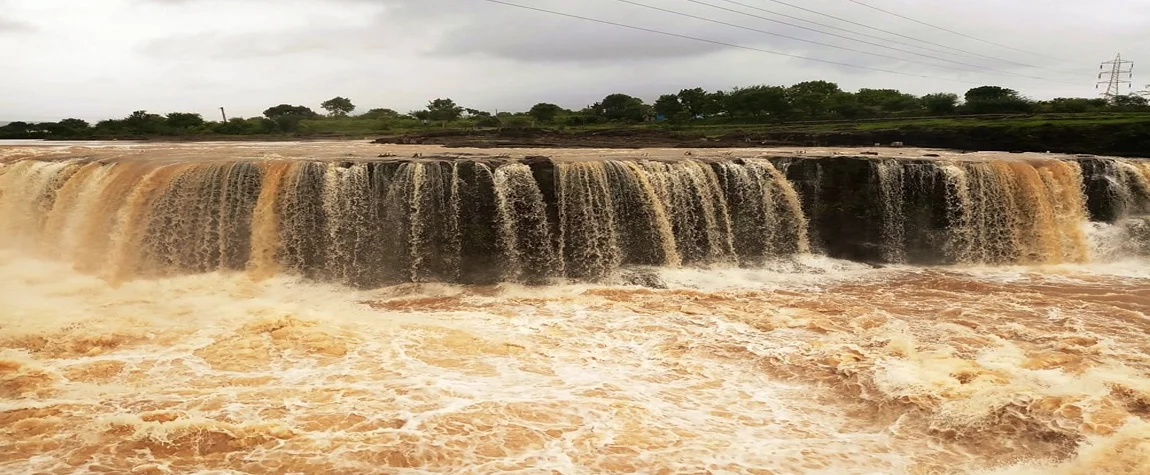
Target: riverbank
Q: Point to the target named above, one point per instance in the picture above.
(1115, 134)
(1119, 135)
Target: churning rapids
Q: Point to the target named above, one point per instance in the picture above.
(318, 308)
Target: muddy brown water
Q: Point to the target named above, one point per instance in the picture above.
(803, 364)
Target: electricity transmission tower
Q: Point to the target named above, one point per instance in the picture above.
(1118, 67)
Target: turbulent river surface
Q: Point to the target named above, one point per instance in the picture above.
(166, 310)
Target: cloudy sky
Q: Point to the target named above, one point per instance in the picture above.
(95, 59)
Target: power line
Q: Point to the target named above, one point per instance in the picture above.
(900, 35)
(904, 17)
(722, 43)
(785, 36)
(995, 71)
(864, 35)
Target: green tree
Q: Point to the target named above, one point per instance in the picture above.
(445, 110)
(487, 120)
(991, 93)
(812, 98)
(284, 110)
(694, 101)
(758, 102)
(715, 104)
(249, 126)
(67, 128)
(620, 107)
(143, 123)
(234, 126)
(669, 107)
(515, 120)
(1075, 104)
(287, 117)
(848, 105)
(48, 129)
(996, 100)
(483, 118)
(1130, 101)
(338, 106)
(888, 100)
(941, 103)
(380, 114)
(109, 127)
(544, 112)
(15, 130)
(184, 120)
(420, 115)
(74, 124)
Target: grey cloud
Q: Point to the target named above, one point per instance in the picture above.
(586, 43)
(398, 53)
(239, 46)
(501, 31)
(451, 28)
(15, 26)
(454, 28)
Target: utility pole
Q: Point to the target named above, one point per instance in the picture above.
(224, 114)
(1117, 67)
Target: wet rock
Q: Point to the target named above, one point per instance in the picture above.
(642, 277)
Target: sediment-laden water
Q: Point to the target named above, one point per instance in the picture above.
(291, 308)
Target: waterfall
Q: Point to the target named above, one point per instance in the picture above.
(524, 232)
(891, 182)
(1016, 212)
(484, 220)
(589, 232)
(1005, 211)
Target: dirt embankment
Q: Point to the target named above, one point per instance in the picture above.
(546, 138)
(1130, 139)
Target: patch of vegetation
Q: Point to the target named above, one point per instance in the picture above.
(812, 106)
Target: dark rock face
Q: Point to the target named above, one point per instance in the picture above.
(481, 220)
(930, 212)
(1102, 189)
(840, 199)
(1115, 188)
(873, 210)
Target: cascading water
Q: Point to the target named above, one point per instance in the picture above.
(1119, 193)
(524, 236)
(369, 223)
(1006, 211)
(891, 180)
(170, 309)
(378, 222)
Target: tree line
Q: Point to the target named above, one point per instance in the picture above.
(805, 101)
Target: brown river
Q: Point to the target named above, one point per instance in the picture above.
(801, 364)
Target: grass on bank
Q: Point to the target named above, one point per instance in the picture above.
(355, 126)
(361, 127)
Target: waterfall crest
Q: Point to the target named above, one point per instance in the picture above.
(484, 220)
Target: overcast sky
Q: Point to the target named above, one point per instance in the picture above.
(95, 59)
